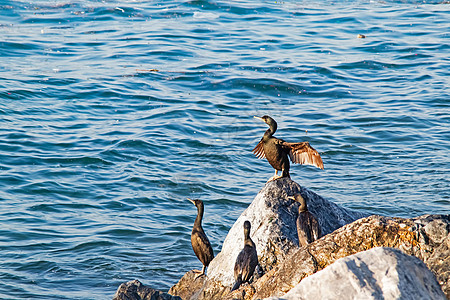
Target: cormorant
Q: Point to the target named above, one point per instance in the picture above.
(200, 243)
(276, 151)
(308, 228)
(246, 261)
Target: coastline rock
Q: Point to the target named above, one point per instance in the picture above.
(440, 262)
(408, 235)
(426, 237)
(274, 232)
(135, 290)
(190, 287)
(378, 273)
(284, 265)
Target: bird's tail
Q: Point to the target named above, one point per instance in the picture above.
(237, 284)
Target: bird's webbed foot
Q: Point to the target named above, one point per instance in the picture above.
(274, 177)
(199, 273)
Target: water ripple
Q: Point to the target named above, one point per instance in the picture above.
(112, 114)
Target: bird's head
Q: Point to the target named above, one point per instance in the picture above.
(269, 121)
(298, 198)
(266, 119)
(197, 202)
(247, 227)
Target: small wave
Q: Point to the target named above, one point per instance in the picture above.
(205, 15)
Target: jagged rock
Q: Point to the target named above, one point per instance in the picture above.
(274, 232)
(191, 287)
(431, 245)
(439, 262)
(379, 273)
(408, 235)
(135, 290)
(285, 265)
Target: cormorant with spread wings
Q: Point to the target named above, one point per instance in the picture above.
(277, 151)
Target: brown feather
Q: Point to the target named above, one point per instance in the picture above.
(276, 151)
(308, 228)
(259, 150)
(303, 153)
(202, 247)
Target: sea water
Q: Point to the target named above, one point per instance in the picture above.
(112, 113)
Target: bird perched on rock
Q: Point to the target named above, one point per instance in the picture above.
(200, 243)
(308, 228)
(277, 151)
(246, 261)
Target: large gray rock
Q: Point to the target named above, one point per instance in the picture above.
(378, 273)
(274, 230)
(408, 235)
(285, 265)
(135, 290)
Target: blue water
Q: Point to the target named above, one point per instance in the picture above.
(112, 113)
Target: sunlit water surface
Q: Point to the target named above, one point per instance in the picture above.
(112, 113)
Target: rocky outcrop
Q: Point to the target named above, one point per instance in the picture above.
(439, 263)
(283, 265)
(408, 235)
(379, 273)
(426, 237)
(135, 290)
(274, 232)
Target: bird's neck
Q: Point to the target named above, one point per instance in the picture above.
(198, 220)
(302, 208)
(273, 127)
(247, 240)
(269, 132)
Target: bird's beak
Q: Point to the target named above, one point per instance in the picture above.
(191, 200)
(291, 197)
(259, 118)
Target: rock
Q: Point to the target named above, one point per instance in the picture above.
(274, 232)
(407, 235)
(439, 261)
(284, 265)
(135, 290)
(379, 273)
(190, 287)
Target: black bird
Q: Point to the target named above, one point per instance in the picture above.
(246, 261)
(277, 151)
(199, 240)
(308, 228)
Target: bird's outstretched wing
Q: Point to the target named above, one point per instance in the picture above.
(259, 150)
(303, 153)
